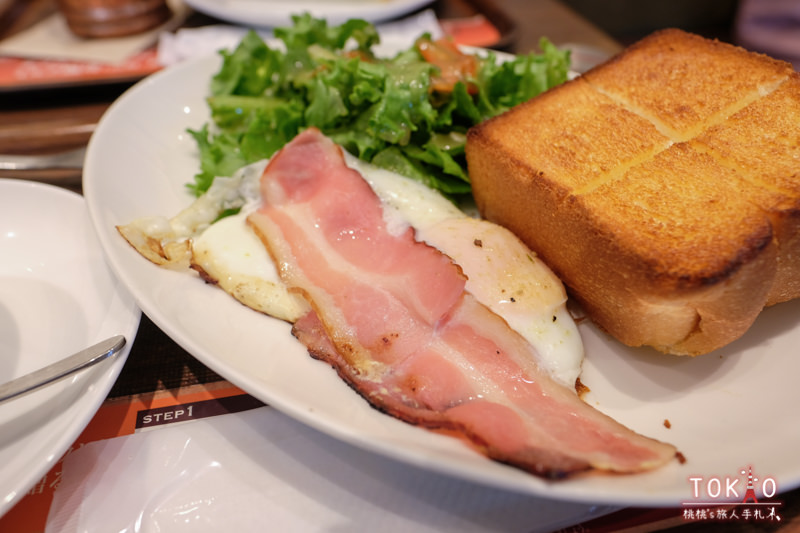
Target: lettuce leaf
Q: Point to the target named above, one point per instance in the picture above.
(408, 113)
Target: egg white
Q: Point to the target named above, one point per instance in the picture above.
(502, 273)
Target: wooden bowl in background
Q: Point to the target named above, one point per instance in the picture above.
(113, 18)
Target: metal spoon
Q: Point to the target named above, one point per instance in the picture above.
(61, 369)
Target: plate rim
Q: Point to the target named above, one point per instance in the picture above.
(240, 11)
(100, 379)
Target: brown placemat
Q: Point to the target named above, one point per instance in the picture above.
(156, 362)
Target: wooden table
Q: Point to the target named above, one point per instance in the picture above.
(54, 119)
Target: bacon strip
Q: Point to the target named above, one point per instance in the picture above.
(392, 316)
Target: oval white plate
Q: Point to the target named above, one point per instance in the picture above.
(57, 296)
(279, 12)
(734, 408)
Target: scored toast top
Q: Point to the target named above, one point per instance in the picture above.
(707, 80)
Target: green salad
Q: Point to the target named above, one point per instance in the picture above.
(408, 113)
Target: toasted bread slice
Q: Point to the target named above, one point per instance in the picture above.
(662, 187)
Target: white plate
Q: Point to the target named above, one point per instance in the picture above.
(57, 296)
(734, 408)
(273, 13)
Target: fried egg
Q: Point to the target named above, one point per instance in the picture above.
(502, 273)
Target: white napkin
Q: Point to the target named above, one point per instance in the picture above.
(259, 470)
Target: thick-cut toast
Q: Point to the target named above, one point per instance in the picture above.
(663, 187)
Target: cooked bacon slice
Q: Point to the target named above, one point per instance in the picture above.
(392, 316)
